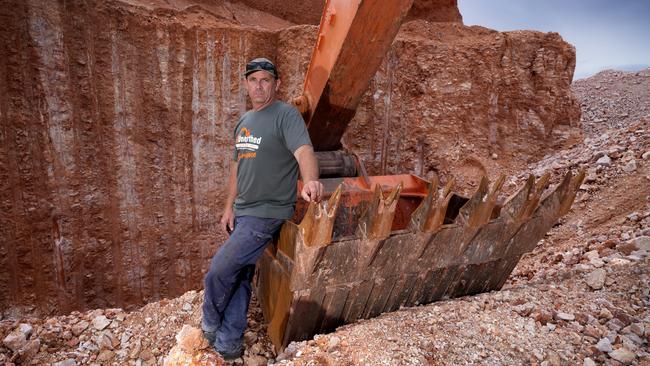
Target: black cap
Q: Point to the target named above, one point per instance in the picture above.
(261, 64)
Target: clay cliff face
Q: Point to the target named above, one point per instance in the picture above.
(116, 121)
(461, 101)
(117, 118)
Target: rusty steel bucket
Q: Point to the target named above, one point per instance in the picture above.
(363, 252)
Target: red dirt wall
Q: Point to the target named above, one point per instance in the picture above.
(115, 127)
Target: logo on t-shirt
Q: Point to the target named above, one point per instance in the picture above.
(248, 142)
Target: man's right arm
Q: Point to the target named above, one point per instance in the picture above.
(228, 217)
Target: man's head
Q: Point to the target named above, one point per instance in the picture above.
(262, 82)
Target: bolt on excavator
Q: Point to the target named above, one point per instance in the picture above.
(378, 243)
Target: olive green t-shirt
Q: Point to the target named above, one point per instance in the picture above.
(267, 171)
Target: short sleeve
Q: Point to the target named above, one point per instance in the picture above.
(294, 130)
(235, 154)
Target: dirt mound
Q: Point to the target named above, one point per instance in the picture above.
(610, 98)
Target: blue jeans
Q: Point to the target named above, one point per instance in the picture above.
(228, 282)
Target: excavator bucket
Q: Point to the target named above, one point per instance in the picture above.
(381, 242)
(399, 241)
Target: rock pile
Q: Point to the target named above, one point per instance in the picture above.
(116, 337)
(582, 297)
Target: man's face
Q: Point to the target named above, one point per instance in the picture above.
(261, 87)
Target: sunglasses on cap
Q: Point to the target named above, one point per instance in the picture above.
(261, 65)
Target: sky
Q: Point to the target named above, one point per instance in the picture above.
(606, 33)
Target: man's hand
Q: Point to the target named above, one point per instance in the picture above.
(228, 220)
(312, 191)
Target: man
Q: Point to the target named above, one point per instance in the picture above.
(271, 145)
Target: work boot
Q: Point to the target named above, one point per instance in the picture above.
(210, 337)
(230, 355)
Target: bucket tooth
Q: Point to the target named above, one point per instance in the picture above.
(378, 219)
(430, 215)
(536, 195)
(310, 239)
(573, 190)
(515, 205)
(316, 226)
(467, 213)
(544, 215)
(421, 214)
(494, 238)
(464, 243)
(483, 211)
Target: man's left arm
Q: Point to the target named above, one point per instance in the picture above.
(312, 189)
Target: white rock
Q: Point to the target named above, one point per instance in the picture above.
(596, 279)
(604, 160)
(635, 257)
(630, 167)
(592, 175)
(596, 262)
(604, 345)
(619, 262)
(333, 342)
(646, 155)
(616, 149)
(25, 329)
(623, 356)
(588, 362)
(637, 328)
(565, 316)
(79, 327)
(101, 322)
(632, 341)
(642, 242)
(615, 325)
(187, 307)
(255, 360)
(68, 362)
(15, 340)
(592, 254)
(124, 339)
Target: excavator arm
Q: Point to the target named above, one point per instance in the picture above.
(353, 38)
